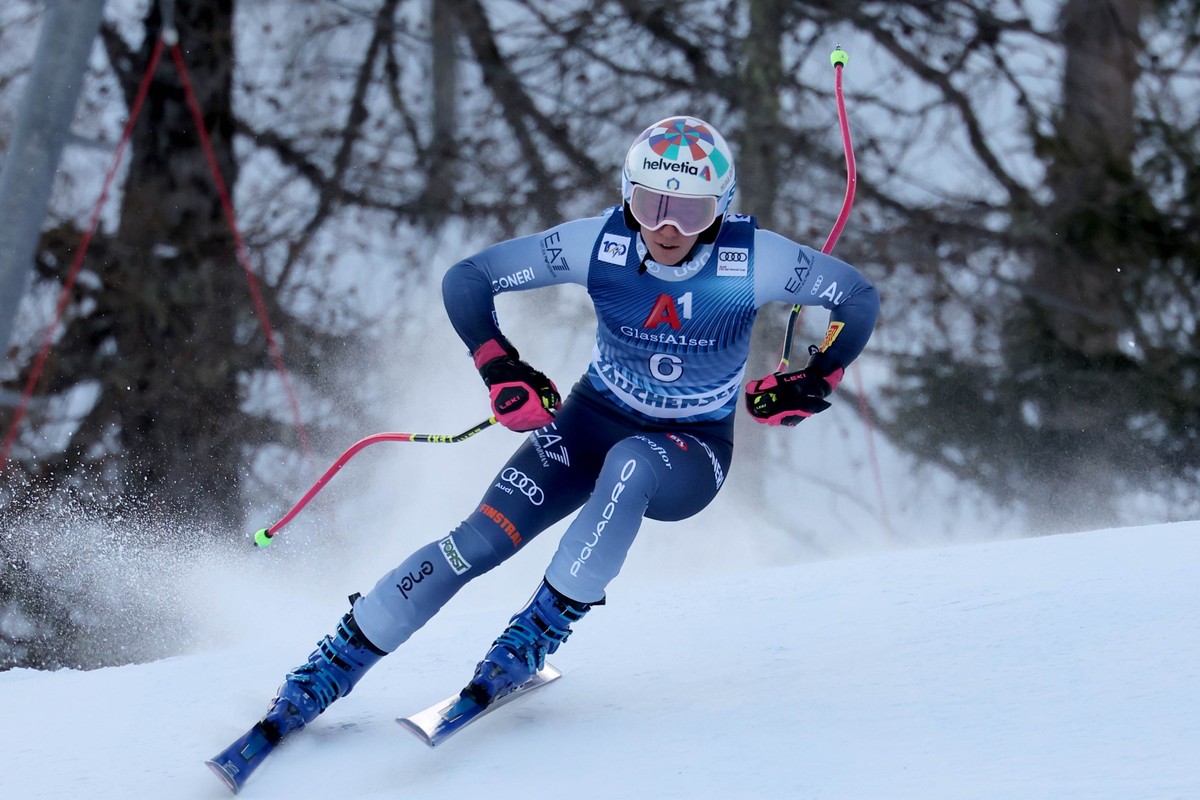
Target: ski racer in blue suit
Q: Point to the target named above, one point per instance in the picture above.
(647, 432)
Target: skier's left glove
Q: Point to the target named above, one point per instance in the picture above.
(523, 399)
(789, 398)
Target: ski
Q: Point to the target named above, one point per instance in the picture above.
(234, 764)
(434, 725)
(443, 719)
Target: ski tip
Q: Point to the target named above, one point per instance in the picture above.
(221, 772)
(440, 721)
(416, 730)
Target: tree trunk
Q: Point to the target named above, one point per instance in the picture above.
(442, 180)
(1072, 383)
(761, 82)
(1091, 175)
(173, 288)
(759, 154)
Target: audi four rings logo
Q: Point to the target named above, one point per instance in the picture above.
(524, 484)
(737, 254)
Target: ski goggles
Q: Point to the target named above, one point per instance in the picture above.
(691, 214)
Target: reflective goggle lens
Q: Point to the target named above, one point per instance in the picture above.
(652, 210)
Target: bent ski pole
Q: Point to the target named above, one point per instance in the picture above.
(838, 58)
(263, 536)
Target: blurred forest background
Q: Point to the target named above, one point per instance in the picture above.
(1028, 203)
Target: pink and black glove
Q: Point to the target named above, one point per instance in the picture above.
(523, 399)
(789, 398)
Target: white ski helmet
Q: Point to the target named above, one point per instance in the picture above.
(679, 157)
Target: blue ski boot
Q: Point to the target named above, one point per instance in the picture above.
(331, 671)
(535, 631)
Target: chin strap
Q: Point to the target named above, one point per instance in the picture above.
(642, 265)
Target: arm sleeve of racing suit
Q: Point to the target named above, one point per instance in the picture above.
(559, 255)
(799, 275)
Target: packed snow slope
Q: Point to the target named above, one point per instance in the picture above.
(1055, 667)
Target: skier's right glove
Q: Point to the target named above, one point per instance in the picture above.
(523, 399)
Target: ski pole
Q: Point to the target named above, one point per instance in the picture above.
(264, 536)
(838, 58)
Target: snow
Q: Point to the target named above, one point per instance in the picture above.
(1050, 667)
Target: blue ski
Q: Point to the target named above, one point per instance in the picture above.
(442, 720)
(234, 764)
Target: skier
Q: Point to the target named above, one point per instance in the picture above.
(676, 281)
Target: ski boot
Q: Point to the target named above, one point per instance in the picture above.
(535, 631)
(331, 671)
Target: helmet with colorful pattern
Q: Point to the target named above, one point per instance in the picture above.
(680, 157)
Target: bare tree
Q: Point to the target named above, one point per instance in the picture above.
(1027, 203)
(161, 332)
(1056, 386)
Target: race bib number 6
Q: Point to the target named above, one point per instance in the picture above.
(666, 368)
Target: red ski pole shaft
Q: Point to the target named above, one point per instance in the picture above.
(264, 536)
(838, 58)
